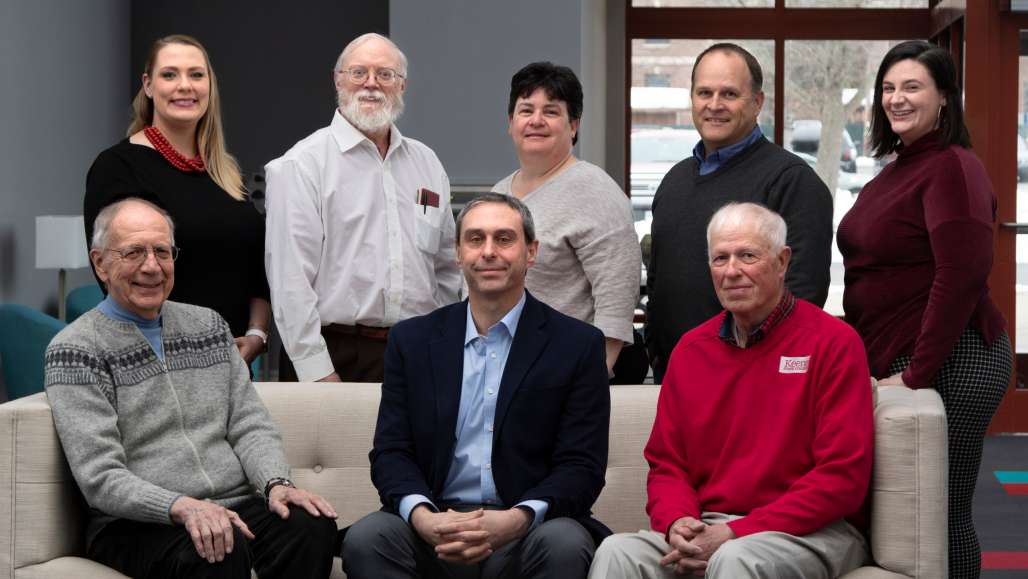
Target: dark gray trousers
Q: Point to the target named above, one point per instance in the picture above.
(300, 546)
(383, 546)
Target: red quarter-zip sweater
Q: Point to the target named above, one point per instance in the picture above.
(917, 246)
(780, 432)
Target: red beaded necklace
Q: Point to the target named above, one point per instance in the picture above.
(177, 160)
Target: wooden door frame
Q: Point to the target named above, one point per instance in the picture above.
(991, 91)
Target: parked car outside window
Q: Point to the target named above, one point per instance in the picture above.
(806, 138)
(654, 152)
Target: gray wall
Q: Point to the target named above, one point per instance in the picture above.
(64, 100)
(273, 59)
(460, 69)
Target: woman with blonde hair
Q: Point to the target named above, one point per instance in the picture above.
(174, 155)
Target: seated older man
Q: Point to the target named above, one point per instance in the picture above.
(164, 432)
(760, 455)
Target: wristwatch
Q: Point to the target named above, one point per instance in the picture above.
(276, 482)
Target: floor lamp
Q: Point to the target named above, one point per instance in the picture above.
(61, 245)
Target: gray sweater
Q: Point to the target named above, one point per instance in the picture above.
(589, 261)
(139, 432)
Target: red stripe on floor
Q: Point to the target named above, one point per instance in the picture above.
(1016, 488)
(1005, 560)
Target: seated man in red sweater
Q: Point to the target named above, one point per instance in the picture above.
(760, 455)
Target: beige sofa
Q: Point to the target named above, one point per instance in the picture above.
(328, 430)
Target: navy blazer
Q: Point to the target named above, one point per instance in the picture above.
(552, 413)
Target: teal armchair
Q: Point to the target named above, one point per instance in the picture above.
(82, 299)
(24, 335)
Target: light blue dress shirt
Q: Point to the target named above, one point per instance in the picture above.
(714, 161)
(470, 479)
(151, 328)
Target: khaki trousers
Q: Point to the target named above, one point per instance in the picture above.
(827, 553)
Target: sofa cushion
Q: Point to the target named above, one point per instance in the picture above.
(327, 430)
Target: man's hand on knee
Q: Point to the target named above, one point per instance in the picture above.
(209, 526)
(457, 537)
(282, 496)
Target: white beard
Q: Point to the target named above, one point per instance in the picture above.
(376, 121)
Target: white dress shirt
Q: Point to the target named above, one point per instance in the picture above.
(346, 242)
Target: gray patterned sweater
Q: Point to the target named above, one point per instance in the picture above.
(139, 432)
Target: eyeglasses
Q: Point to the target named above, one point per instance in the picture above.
(136, 254)
(359, 75)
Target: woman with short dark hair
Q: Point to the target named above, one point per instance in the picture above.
(917, 247)
(589, 261)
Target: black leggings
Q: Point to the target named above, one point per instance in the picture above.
(971, 383)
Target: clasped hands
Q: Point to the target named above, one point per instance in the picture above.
(692, 544)
(468, 538)
(210, 525)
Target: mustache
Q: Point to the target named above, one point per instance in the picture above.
(369, 93)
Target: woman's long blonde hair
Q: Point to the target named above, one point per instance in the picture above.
(210, 137)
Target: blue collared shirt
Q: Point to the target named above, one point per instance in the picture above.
(470, 479)
(151, 328)
(714, 161)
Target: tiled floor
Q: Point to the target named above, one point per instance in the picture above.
(1001, 508)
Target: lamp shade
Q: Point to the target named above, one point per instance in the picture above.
(60, 242)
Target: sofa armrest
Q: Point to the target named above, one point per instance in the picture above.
(41, 510)
(909, 483)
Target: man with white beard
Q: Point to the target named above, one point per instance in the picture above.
(360, 234)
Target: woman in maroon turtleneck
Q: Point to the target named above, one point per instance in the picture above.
(917, 247)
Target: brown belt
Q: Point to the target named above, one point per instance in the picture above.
(370, 332)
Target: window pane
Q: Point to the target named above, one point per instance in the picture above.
(704, 3)
(856, 3)
(828, 91)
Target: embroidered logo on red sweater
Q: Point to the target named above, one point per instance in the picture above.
(794, 365)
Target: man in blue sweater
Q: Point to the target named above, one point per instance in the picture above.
(732, 162)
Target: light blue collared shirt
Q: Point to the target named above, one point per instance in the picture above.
(714, 161)
(151, 328)
(470, 480)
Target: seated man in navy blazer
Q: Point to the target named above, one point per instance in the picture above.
(491, 443)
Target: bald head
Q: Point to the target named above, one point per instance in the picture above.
(102, 223)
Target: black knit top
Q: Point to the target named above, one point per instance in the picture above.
(221, 263)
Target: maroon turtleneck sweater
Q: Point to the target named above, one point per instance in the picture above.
(917, 247)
